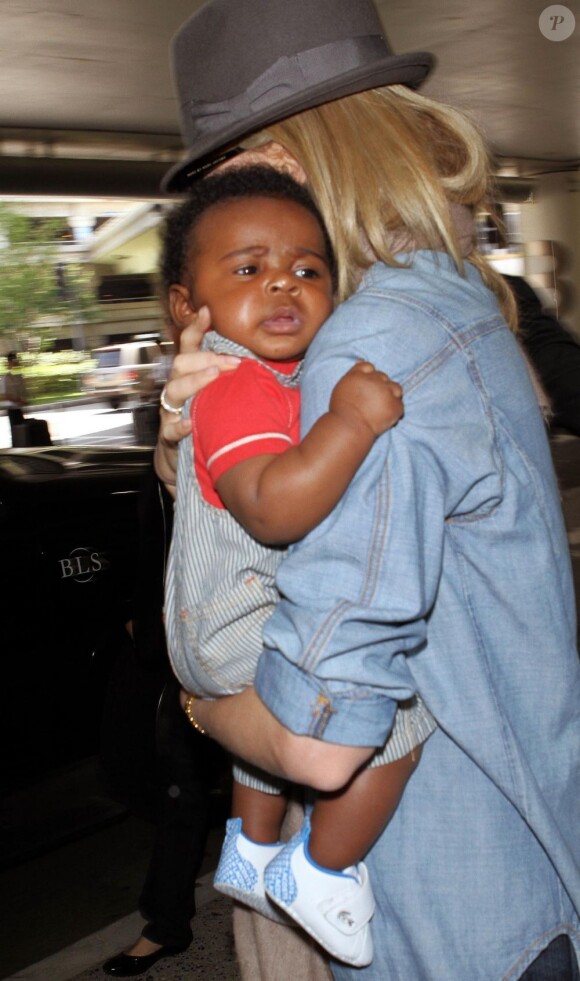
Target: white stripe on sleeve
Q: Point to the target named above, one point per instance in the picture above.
(242, 442)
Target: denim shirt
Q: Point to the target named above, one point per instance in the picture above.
(444, 570)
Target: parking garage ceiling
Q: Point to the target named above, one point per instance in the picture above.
(86, 87)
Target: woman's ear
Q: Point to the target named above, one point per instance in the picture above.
(181, 308)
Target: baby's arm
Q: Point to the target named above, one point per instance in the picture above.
(279, 498)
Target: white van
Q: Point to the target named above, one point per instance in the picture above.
(134, 371)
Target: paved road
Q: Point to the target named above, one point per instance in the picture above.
(81, 424)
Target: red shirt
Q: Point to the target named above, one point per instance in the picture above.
(242, 414)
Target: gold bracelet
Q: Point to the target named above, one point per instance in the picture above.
(188, 709)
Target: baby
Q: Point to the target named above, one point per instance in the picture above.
(250, 245)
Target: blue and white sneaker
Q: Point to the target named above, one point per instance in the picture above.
(240, 872)
(333, 907)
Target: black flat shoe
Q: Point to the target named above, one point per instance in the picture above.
(127, 966)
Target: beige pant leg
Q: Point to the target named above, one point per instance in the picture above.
(269, 951)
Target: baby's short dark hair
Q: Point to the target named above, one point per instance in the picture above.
(237, 183)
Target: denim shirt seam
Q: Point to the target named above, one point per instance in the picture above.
(466, 335)
(505, 740)
(479, 383)
(540, 495)
(458, 338)
(380, 530)
(460, 342)
(323, 635)
(540, 944)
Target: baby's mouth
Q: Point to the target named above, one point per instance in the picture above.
(284, 320)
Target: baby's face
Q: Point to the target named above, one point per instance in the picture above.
(260, 266)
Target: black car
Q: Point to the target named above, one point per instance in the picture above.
(69, 532)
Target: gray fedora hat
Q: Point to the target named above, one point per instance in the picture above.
(239, 65)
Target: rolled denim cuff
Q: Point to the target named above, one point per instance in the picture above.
(308, 707)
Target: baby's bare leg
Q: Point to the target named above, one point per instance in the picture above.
(345, 824)
(262, 814)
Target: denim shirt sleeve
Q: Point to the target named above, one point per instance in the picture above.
(358, 590)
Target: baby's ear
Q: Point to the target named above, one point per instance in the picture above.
(181, 308)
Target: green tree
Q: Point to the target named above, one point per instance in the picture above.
(31, 296)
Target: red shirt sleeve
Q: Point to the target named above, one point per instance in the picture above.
(242, 414)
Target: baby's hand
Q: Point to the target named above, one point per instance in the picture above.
(368, 396)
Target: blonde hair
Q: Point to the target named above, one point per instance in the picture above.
(388, 162)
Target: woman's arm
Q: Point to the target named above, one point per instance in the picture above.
(244, 725)
(192, 370)
(279, 498)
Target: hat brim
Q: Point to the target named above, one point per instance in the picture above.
(408, 69)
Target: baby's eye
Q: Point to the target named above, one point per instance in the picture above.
(248, 270)
(306, 272)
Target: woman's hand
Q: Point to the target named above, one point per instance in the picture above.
(191, 371)
(245, 727)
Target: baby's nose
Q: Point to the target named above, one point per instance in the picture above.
(283, 281)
